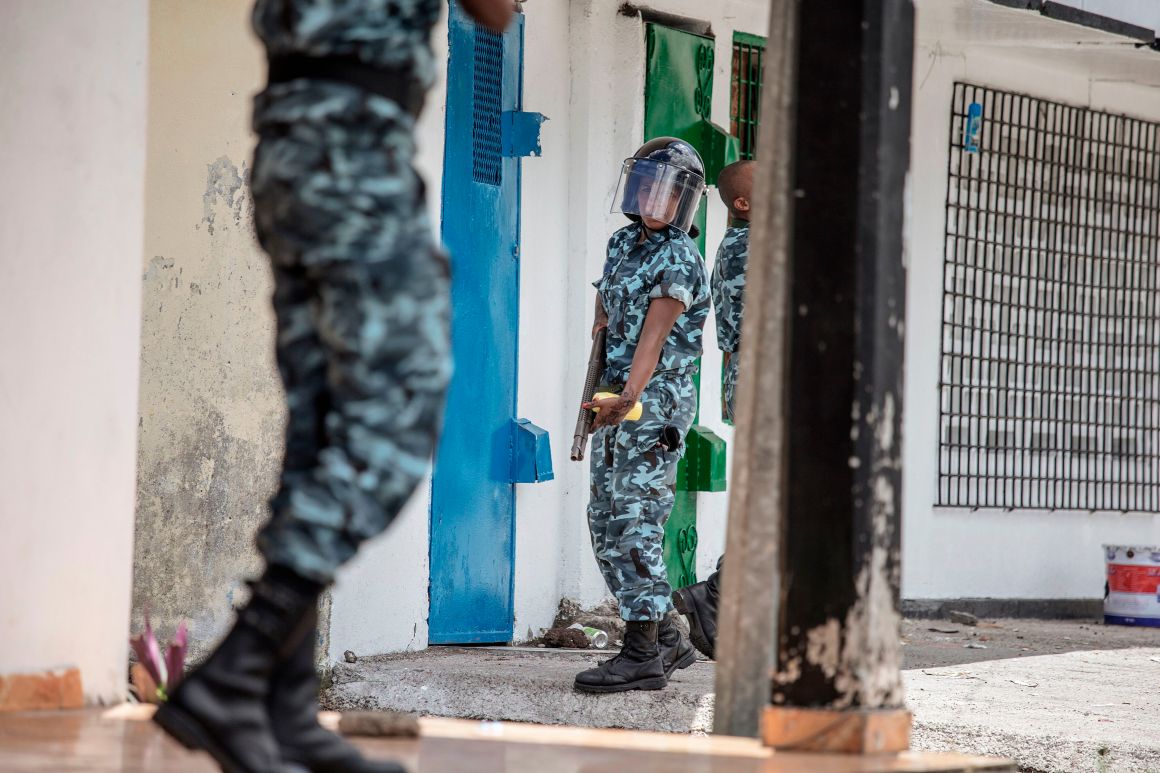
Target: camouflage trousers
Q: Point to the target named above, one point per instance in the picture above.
(633, 477)
(362, 306)
(729, 387)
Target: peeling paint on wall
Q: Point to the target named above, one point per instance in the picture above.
(823, 647)
(226, 189)
(870, 671)
(209, 433)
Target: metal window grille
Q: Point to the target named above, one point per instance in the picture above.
(1050, 367)
(487, 76)
(745, 92)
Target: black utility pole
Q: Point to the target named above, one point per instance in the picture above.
(820, 461)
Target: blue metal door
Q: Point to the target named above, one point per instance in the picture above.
(473, 497)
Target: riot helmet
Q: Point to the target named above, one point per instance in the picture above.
(663, 181)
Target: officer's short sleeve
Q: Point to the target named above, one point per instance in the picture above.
(607, 260)
(679, 275)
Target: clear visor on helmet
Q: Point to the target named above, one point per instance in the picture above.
(658, 192)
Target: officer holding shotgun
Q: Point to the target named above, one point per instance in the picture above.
(652, 303)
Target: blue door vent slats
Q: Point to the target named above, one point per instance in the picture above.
(486, 125)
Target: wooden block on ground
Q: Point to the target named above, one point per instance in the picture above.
(382, 724)
(43, 691)
(856, 731)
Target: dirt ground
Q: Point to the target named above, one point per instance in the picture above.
(932, 643)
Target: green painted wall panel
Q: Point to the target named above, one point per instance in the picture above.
(680, 551)
(678, 81)
(678, 102)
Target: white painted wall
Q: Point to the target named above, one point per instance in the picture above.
(546, 513)
(73, 86)
(953, 553)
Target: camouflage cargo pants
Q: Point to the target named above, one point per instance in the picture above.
(362, 307)
(729, 387)
(632, 495)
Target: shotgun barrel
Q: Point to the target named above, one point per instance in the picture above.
(591, 381)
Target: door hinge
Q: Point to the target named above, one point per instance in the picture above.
(532, 457)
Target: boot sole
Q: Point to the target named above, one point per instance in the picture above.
(684, 662)
(652, 683)
(696, 632)
(188, 732)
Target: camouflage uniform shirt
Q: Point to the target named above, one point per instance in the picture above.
(390, 34)
(728, 284)
(666, 264)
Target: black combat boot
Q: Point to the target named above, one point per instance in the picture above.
(221, 706)
(293, 708)
(638, 666)
(676, 652)
(698, 603)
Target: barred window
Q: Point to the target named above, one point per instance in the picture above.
(1050, 367)
(745, 91)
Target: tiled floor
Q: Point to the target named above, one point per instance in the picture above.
(123, 740)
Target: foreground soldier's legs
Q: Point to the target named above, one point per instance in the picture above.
(293, 709)
(361, 298)
(221, 706)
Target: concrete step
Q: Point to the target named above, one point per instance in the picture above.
(518, 685)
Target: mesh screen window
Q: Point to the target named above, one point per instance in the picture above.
(486, 158)
(1050, 366)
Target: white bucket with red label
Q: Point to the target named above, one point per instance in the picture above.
(1133, 591)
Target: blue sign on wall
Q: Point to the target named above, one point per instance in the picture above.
(973, 128)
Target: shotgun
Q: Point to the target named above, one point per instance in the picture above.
(591, 381)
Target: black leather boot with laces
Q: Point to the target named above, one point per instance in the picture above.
(220, 707)
(638, 666)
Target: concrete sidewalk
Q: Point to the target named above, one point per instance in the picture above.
(1076, 711)
(1079, 711)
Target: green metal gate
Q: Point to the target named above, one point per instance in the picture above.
(678, 102)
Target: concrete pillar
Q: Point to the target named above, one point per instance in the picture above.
(838, 638)
(72, 86)
(817, 483)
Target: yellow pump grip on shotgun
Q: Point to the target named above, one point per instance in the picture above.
(633, 415)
